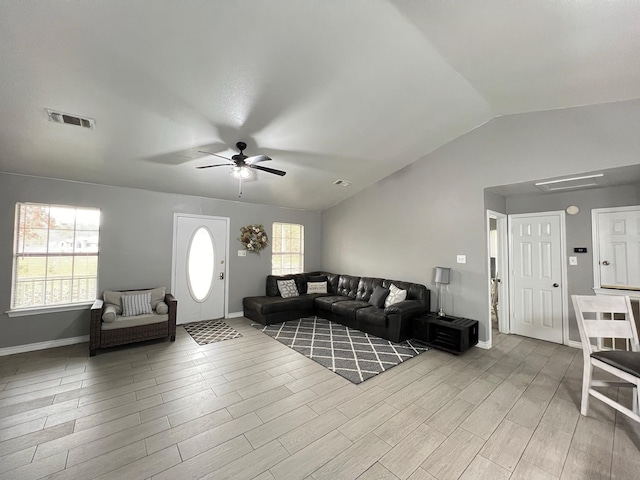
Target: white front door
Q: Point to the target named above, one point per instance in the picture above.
(619, 248)
(537, 272)
(199, 266)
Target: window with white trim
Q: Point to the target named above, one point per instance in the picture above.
(287, 248)
(55, 255)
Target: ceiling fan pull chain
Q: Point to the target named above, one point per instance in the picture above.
(239, 187)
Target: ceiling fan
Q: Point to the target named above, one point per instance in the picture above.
(242, 164)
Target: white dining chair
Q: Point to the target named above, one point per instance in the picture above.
(606, 323)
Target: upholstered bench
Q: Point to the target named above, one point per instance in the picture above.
(128, 316)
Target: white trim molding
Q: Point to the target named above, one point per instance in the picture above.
(483, 345)
(32, 347)
(235, 314)
(48, 309)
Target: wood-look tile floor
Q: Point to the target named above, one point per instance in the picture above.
(252, 408)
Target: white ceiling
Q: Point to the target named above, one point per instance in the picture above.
(330, 89)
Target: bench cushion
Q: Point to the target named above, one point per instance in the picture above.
(124, 322)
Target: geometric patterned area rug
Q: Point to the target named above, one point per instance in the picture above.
(210, 331)
(353, 354)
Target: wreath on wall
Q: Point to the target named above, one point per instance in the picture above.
(253, 238)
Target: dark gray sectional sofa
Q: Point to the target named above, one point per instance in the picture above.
(346, 302)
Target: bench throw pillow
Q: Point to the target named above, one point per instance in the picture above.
(288, 288)
(396, 295)
(137, 304)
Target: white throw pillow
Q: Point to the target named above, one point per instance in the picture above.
(137, 304)
(396, 295)
(288, 288)
(162, 308)
(316, 287)
(109, 314)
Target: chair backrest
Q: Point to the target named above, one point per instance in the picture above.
(599, 317)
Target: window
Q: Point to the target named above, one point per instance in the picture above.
(55, 260)
(287, 246)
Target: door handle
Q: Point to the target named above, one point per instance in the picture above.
(556, 285)
(221, 275)
(606, 262)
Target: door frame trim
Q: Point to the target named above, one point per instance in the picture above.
(503, 266)
(563, 268)
(227, 221)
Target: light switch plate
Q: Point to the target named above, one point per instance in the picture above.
(462, 259)
(242, 253)
(573, 260)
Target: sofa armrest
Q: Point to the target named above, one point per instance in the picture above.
(406, 307)
(400, 318)
(95, 327)
(171, 301)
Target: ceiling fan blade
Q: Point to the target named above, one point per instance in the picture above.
(256, 159)
(216, 165)
(214, 154)
(269, 170)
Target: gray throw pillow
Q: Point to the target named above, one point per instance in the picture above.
(162, 308)
(378, 296)
(109, 314)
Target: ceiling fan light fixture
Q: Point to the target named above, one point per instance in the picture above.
(241, 173)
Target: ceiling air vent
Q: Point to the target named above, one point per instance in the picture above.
(342, 183)
(571, 183)
(70, 119)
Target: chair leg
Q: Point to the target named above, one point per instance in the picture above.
(586, 383)
(173, 338)
(92, 353)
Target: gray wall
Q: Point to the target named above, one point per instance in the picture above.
(578, 229)
(425, 214)
(136, 236)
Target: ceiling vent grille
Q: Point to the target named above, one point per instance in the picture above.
(342, 183)
(584, 181)
(70, 119)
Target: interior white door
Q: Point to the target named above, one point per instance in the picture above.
(199, 267)
(536, 269)
(619, 249)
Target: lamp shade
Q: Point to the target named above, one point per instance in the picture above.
(442, 275)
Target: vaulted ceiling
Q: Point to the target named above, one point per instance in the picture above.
(329, 89)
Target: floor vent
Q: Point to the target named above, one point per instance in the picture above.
(342, 183)
(70, 119)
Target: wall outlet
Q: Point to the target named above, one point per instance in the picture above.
(462, 259)
(242, 253)
(573, 260)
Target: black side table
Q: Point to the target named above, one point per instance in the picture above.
(448, 333)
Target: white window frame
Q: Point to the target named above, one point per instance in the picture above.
(286, 243)
(44, 306)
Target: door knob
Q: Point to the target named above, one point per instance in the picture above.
(556, 285)
(221, 275)
(606, 262)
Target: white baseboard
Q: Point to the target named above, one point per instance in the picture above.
(235, 314)
(484, 345)
(32, 347)
(574, 344)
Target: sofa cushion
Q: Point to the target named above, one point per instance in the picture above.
(378, 296)
(125, 322)
(371, 316)
(348, 286)
(109, 314)
(113, 298)
(287, 288)
(348, 308)
(396, 295)
(136, 304)
(325, 303)
(266, 305)
(366, 286)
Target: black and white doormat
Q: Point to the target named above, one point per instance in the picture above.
(210, 331)
(353, 354)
